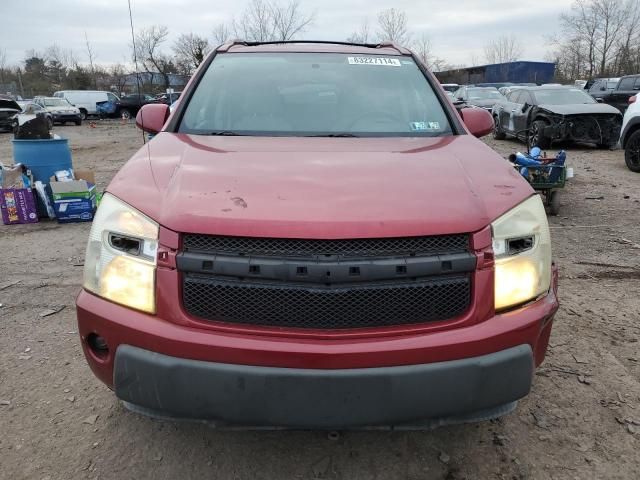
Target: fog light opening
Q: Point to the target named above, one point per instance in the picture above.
(98, 346)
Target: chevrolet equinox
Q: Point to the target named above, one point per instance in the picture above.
(315, 238)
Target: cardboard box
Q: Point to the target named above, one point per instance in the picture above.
(18, 206)
(75, 200)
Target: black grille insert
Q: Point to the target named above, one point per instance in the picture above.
(370, 305)
(348, 248)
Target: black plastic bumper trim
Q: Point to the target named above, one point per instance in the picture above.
(309, 398)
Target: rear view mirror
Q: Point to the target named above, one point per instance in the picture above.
(478, 121)
(151, 117)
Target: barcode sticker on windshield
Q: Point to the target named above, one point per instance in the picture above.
(384, 61)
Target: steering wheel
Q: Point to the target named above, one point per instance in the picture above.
(377, 114)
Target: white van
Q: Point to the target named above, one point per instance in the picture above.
(86, 100)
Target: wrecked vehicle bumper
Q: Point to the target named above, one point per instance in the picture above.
(598, 129)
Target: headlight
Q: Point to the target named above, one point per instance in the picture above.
(120, 263)
(522, 246)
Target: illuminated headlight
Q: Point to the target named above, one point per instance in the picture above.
(522, 247)
(120, 263)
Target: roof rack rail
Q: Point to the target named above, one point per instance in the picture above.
(225, 47)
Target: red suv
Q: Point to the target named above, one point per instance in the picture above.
(315, 238)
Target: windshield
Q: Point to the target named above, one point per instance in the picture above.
(484, 94)
(56, 102)
(314, 94)
(562, 96)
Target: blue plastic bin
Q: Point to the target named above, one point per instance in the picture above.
(43, 157)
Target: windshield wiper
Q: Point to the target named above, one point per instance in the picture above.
(335, 135)
(226, 133)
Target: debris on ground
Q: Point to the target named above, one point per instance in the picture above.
(91, 419)
(51, 311)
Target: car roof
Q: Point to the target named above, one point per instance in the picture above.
(544, 87)
(313, 46)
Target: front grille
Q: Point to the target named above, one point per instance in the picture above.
(359, 306)
(349, 248)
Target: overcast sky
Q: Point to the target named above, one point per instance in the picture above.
(458, 29)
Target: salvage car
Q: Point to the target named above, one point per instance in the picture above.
(630, 136)
(29, 111)
(315, 238)
(61, 110)
(8, 109)
(483, 97)
(543, 115)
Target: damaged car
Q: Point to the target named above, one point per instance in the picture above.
(8, 109)
(543, 115)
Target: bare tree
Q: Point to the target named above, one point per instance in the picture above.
(422, 48)
(118, 77)
(503, 49)
(362, 35)
(611, 14)
(221, 34)
(289, 20)
(191, 50)
(91, 57)
(627, 51)
(148, 44)
(3, 64)
(265, 20)
(256, 23)
(392, 26)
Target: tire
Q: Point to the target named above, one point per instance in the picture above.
(126, 114)
(536, 138)
(83, 114)
(632, 152)
(554, 203)
(498, 133)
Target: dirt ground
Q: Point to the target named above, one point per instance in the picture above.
(581, 420)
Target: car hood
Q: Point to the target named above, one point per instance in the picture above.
(319, 187)
(9, 105)
(581, 108)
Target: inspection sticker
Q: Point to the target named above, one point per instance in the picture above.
(384, 61)
(425, 126)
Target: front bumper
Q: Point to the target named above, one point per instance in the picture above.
(191, 372)
(66, 117)
(309, 398)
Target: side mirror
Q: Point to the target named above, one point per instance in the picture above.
(525, 107)
(478, 121)
(151, 118)
(600, 100)
(603, 88)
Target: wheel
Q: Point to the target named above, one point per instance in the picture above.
(126, 114)
(78, 122)
(83, 114)
(554, 203)
(632, 152)
(537, 137)
(498, 133)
